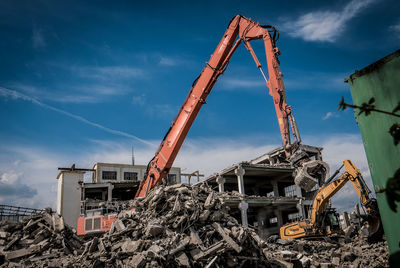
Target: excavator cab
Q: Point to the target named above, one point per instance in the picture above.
(330, 223)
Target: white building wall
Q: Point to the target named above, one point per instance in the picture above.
(59, 194)
(106, 168)
(121, 169)
(139, 171)
(120, 172)
(69, 196)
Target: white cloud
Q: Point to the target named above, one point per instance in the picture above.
(325, 25)
(38, 38)
(66, 95)
(10, 177)
(314, 80)
(395, 28)
(230, 83)
(213, 155)
(108, 72)
(86, 92)
(34, 176)
(17, 95)
(330, 115)
(74, 98)
(87, 84)
(13, 185)
(167, 61)
(327, 116)
(39, 166)
(139, 99)
(293, 80)
(161, 110)
(154, 110)
(172, 61)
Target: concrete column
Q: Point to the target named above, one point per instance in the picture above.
(275, 188)
(221, 181)
(278, 214)
(300, 209)
(110, 188)
(298, 191)
(243, 206)
(82, 185)
(346, 219)
(239, 173)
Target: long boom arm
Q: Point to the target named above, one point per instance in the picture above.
(324, 194)
(239, 30)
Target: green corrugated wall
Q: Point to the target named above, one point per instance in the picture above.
(380, 80)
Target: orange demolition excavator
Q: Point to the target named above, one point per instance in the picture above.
(240, 30)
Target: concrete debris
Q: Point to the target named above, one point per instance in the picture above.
(175, 226)
(310, 172)
(38, 239)
(119, 225)
(182, 260)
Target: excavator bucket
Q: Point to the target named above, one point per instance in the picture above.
(375, 227)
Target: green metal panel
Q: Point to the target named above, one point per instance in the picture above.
(380, 80)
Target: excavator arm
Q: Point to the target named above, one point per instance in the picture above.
(325, 193)
(240, 29)
(313, 225)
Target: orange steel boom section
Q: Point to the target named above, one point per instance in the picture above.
(246, 30)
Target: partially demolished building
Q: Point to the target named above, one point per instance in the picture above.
(111, 186)
(262, 191)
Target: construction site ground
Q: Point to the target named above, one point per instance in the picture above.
(176, 226)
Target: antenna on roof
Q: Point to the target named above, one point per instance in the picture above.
(133, 156)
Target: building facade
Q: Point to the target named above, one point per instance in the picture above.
(112, 186)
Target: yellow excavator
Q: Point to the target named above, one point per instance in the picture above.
(323, 221)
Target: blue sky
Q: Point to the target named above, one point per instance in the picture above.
(82, 82)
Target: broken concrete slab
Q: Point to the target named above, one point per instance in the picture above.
(182, 259)
(130, 247)
(4, 234)
(153, 229)
(119, 225)
(19, 253)
(138, 261)
(226, 237)
(210, 201)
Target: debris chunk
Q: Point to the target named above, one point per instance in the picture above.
(182, 259)
(226, 237)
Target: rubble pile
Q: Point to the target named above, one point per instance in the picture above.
(329, 253)
(175, 226)
(38, 238)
